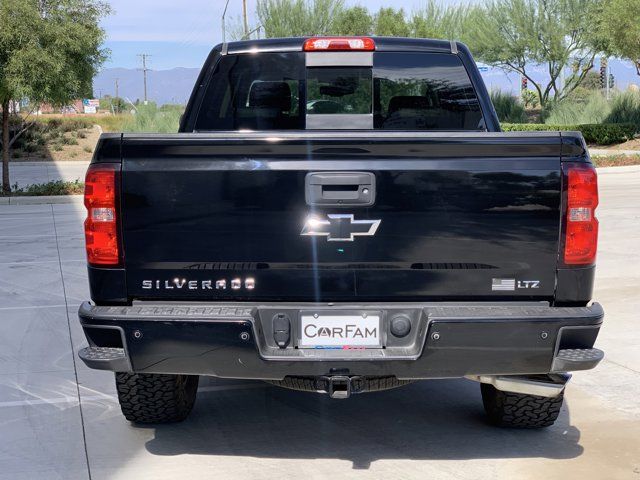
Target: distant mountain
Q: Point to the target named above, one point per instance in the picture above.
(163, 86)
(175, 85)
(497, 79)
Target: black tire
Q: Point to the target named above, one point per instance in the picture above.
(361, 384)
(150, 398)
(515, 410)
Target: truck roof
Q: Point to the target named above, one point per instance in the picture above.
(382, 44)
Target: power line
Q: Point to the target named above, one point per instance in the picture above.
(144, 57)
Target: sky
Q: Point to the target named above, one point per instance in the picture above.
(181, 34)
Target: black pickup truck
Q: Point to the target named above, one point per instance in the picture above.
(341, 215)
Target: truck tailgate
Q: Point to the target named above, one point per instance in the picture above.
(460, 216)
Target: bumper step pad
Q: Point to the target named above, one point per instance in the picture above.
(571, 359)
(105, 358)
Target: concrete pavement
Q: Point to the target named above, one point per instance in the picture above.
(29, 173)
(60, 420)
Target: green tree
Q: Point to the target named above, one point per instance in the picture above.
(298, 18)
(292, 18)
(619, 27)
(50, 51)
(113, 104)
(389, 22)
(435, 21)
(523, 35)
(353, 21)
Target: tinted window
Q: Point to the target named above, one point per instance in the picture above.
(423, 91)
(339, 90)
(274, 91)
(255, 92)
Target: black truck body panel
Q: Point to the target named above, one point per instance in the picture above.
(455, 213)
(463, 240)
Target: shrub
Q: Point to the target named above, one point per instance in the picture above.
(52, 123)
(75, 124)
(57, 187)
(151, 119)
(507, 107)
(30, 146)
(68, 140)
(593, 108)
(530, 98)
(625, 108)
(66, 124)
(599, 134)
(109, 123)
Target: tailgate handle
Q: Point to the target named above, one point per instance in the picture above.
(340, 189)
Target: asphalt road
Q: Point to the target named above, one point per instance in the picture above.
(60, 420)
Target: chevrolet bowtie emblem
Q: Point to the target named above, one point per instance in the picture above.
(339, 228)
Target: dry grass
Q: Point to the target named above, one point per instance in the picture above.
(75, 145)
(616, 160)
(628, 145)
(108, 123)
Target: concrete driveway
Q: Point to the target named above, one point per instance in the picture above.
(60, 420)
(29, 173)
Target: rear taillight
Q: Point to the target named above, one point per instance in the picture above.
(339, 44)
(580, 223)
(101, 226)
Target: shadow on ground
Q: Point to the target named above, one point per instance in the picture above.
(427, 420)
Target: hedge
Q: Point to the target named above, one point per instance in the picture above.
(599, 134)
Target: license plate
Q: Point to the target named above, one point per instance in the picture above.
(336, 331)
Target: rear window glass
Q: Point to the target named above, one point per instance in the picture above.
(424, 91)
(255, 92)
(404, 91)
(345, 90)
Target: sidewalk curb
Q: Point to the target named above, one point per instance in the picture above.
(51, 163)
(42, 200)
(604, 152)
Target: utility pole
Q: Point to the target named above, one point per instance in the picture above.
(604, 75)
(224, 29)
(144, 57)
(244, 20)
(117, 107)
(608, 82)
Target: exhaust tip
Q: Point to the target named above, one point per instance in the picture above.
(540, 385)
